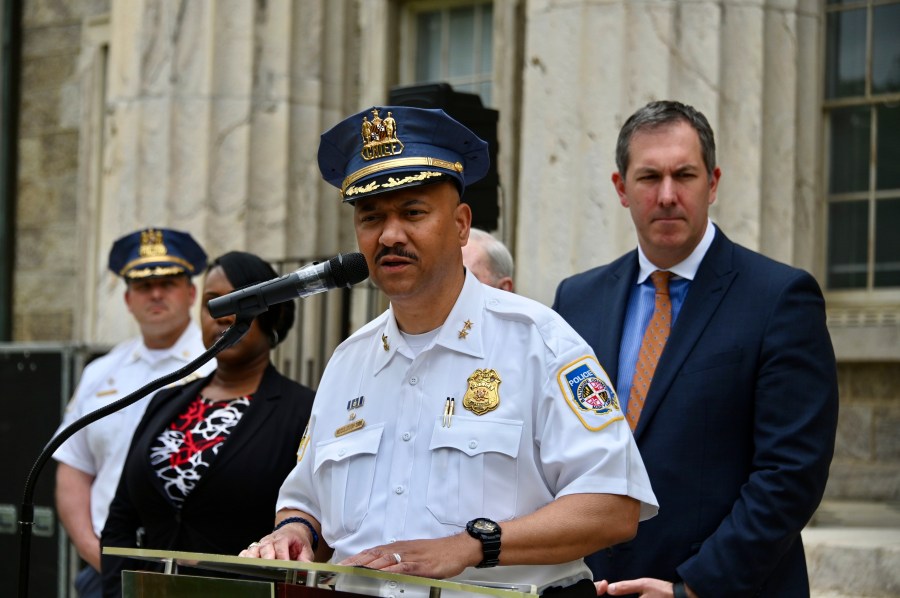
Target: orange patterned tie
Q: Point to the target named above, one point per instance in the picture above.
(651, 347)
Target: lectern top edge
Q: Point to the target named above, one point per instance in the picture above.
(266, 568)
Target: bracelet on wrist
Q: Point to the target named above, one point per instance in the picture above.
(315, 536)
(678, 590)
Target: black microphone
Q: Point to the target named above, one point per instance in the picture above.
(342, 271)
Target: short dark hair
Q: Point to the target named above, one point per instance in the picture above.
(244, 269)
(662, 113)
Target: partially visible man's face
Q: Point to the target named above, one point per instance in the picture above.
(161, 307)
(476, 261)
(412, 238)
(668, 191)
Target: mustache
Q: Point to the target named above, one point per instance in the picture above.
(396, 251)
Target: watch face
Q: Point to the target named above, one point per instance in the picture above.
(485, 525)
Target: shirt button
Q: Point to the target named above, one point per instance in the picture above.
(406, 436)
(473, 444)
(413, 380)
(342, 452)
(392, 584)
(493, 302)
(398, 490)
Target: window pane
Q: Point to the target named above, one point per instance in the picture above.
(887, 243)
(428, 47)
(850, 149)
(455, 45)
(847, 241)
(886, 48)
(845, 59)
(888, 148)
(487, 39)
(462, 41)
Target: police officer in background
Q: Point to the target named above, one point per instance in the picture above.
(489, 260)
(157, 265)
(466, 433)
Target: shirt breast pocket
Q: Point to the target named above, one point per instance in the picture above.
(473, 470)
(344, 472)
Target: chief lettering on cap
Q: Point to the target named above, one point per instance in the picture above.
(156, 252)
(392, 147)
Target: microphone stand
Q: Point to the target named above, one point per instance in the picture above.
(228, 338)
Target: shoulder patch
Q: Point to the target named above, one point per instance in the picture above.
(587, 390)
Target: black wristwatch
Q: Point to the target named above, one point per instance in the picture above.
(488, 532)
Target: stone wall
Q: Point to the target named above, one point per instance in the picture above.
(867, 451)
(46, 287)
(202, 116)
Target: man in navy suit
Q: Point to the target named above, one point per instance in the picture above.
(737, 424)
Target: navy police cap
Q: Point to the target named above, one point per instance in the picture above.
(156, 252)
(391, 147)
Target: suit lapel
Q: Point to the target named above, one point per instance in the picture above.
(706, 292)
(262, 406)
(611, 321)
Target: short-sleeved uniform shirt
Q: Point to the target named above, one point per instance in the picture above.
(535, 418)
(100, 448)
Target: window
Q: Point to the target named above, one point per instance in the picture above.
(862, 109)
(451, 42)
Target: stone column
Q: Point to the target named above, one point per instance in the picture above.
(214, 109)
(50, 251)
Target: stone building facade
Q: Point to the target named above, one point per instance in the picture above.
(204, 115)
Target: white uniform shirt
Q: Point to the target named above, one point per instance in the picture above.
(402, 474)
(100, 448)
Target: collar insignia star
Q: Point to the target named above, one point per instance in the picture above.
(467, 326)
(385, 343)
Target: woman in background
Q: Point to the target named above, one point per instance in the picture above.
(208, 457)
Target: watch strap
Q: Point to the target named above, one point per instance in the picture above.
(490, 541)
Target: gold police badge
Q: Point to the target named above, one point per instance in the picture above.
(482, 392)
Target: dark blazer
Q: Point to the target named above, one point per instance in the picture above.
(738, 427)
(233, 503)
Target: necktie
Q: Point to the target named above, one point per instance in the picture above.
(655, 338)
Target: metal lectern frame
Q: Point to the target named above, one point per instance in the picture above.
(312, 574)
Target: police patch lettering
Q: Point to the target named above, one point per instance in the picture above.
(591, 397)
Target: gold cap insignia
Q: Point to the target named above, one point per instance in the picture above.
(379, 137)
(152, 244)
(483, 392)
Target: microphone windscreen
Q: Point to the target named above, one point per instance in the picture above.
(349, 269)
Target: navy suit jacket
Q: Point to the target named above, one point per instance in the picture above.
(737, 431)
